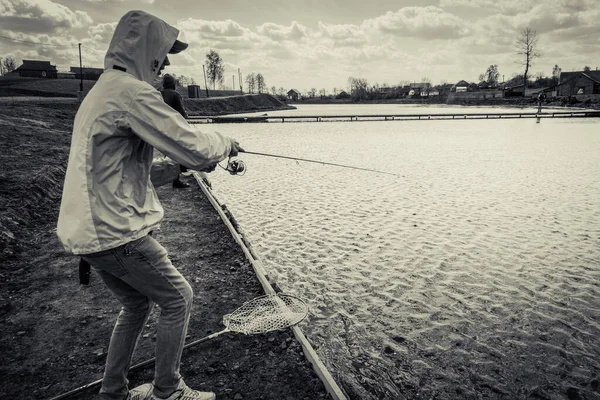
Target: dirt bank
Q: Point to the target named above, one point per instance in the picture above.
(55, 332)
(234, 104)
(215, 105)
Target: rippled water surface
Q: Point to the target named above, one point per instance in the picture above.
(474, 274)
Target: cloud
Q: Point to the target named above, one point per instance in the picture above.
(508, 7)
(102, 32)
(343, 34)
(40, 16)
(280, 32)
(425, 22)
(458, 39)
(198, 28)
(374, 49)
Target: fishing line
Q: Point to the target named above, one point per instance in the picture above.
(233, 168)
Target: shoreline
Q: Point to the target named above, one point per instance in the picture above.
(270, 287)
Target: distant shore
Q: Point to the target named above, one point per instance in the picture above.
(223, 102)
(443, 100)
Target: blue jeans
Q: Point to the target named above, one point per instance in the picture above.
(140, 274)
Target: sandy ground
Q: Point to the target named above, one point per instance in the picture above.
(55, 331)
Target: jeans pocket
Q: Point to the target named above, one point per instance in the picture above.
(131, 246)
(147, 251)
(108, 262)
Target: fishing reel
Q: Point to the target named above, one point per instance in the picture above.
(235, 167)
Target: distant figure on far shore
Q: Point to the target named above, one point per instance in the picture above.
(541, 99)
(174, 100)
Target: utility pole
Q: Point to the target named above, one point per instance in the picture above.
(240, 81)
(205, 84)
(1, 69)
(80, 71)
(233, 86)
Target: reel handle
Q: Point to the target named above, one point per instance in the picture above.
(236, 167)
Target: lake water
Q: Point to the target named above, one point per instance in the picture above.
(474, 274)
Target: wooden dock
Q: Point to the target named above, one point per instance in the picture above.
(391, 117)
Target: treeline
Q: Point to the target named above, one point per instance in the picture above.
(255, 82)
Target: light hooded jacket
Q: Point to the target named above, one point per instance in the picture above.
(108, 196)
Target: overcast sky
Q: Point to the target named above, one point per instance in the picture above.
(306, 44)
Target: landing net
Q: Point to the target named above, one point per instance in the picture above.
(266, 313)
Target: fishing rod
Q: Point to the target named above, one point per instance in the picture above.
(237, 166)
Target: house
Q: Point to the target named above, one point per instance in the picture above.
(419, 89)
(473, 87)
(343, 95)
(294, 95)
(194, 91)
(37, 69)
(579, 83)
(460, 86)
(483, 85)
(404, 91)
(91, 74)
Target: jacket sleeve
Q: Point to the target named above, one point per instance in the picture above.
(162, 127)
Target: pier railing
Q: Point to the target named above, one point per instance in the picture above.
(392, 117)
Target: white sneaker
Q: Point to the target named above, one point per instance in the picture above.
(142, 392)
(183, 392)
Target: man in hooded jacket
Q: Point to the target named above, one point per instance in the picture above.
(109, 206)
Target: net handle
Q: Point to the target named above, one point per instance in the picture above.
(152, 360)
(136, 366)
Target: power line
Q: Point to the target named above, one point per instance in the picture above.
(38, 43)
(89, 48)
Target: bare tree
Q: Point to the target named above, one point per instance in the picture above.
(556, 74)
(427, 83)
(358, 87)
(214, 67)
(251, 81)
(526, 47)
(260, 83)
(182, 81)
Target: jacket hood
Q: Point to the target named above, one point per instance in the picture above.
(140, 44)
(168, 82)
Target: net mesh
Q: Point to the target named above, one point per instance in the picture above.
(266, 313)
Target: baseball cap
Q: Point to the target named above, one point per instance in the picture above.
(178, 47)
